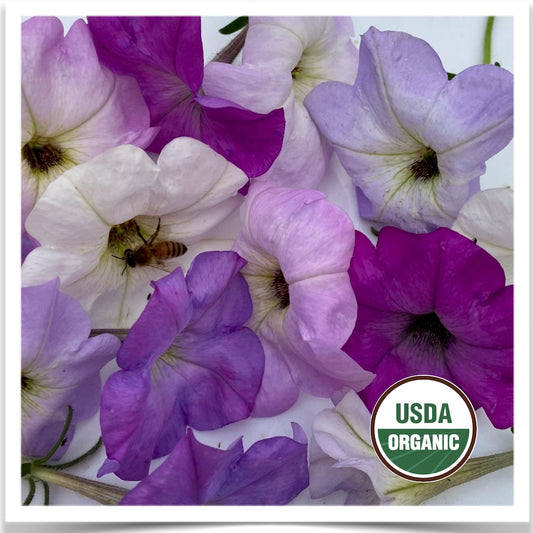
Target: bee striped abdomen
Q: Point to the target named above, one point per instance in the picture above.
(168, 249)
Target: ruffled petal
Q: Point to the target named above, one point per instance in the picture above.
(168, 312)
(331, 293)
(471, 120)
(129, 397)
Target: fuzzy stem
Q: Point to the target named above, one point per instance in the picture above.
(232, 49)
(487, 42)
(415, 493)
(100, 492)
(120, 333)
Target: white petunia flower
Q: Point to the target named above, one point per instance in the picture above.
(283, 58)
(91, 219)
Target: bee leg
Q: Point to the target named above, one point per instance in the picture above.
(139, 233)
(154, 234)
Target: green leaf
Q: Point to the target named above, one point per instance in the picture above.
(234, 25)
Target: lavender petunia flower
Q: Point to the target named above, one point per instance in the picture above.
(435, 304)
(186, 361)
(73, 108)
(298, 246)
(164, 54)
(90, 216)
(60, 367)
(283, 58)
(271, 472)
(414, 143)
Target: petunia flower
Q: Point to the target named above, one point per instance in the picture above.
(342, 434)
(164, 54)
(90, 216)
(413, 142)
(435, 304)
(73, 108)
(271, 472)
(187, 361)
(283, 58)
(60, 367)
(488, 218)
(298, 247)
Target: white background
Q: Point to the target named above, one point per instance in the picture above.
(459, 43)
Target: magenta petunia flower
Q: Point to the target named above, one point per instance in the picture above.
(73, 107)
(434, 304)
(164, 54)
(271, 472)
(298, 247)
(60, 367)
(187, 361)
(413, 142)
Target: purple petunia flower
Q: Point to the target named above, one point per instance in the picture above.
(414, 143)
(186, 361)
(298, 247)
(271, 472)
(60, 367)
(434, 304)
(164, 54)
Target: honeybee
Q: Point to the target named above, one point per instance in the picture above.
(151, 252)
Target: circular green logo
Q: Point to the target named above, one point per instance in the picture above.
(423, 428)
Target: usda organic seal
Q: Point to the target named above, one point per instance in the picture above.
(423, 428)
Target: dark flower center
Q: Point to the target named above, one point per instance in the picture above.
(296, 71)
(426, 167)
(427, 333)
(25, 382)
(281, 289)
(42, 158)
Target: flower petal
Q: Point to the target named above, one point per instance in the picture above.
(331, 293)
(271, 472)
(168, 312)
(278, 389)
(141, 409)
(471, 120)
(486, 377)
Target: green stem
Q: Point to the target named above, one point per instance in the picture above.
(79, 459)
(58, 442)
(100, 492)
(487, 42)
(46, 489)
(31, 492)
(415, 493)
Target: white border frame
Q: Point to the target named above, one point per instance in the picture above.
(519, 512)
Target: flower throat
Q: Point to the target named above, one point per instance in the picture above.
(281, 289)
(428, 333)
(42, 158)
(426, 168)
